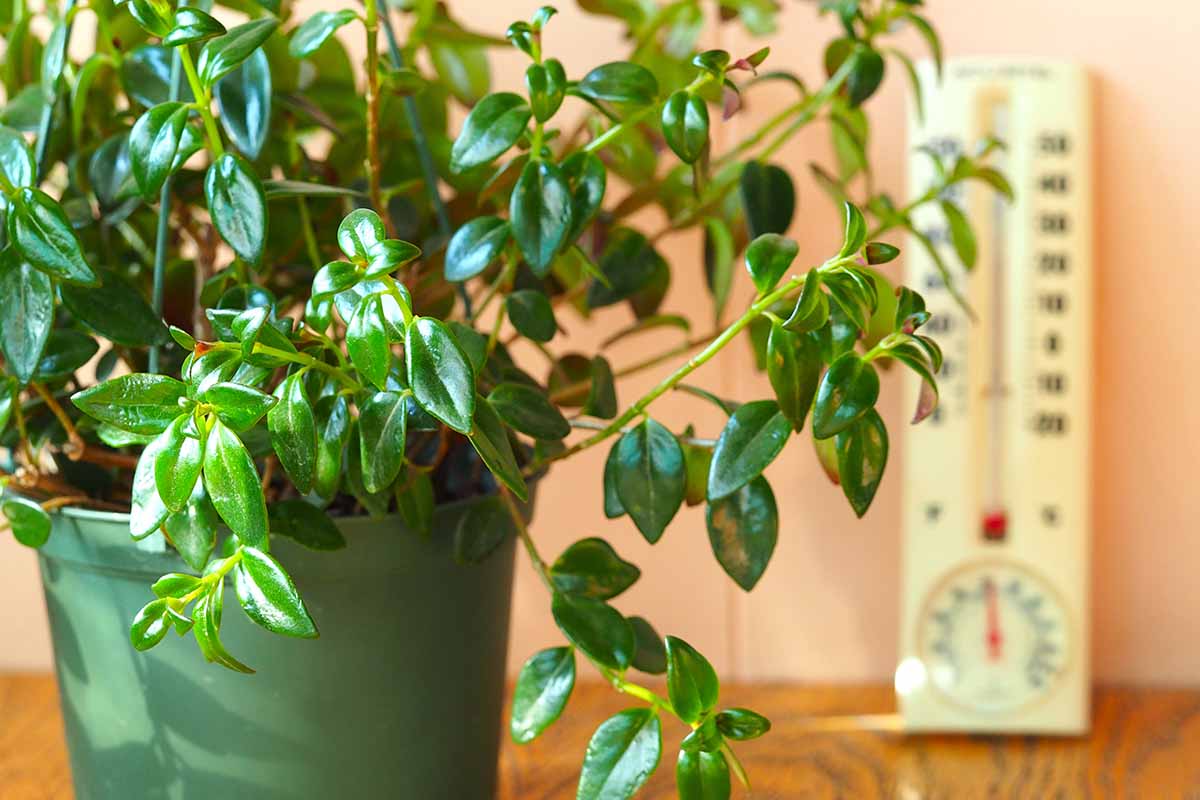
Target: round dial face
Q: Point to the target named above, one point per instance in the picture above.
(994, 637)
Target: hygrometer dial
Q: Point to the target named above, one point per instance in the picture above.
(994, 637)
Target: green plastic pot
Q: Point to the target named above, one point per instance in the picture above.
(400, 697)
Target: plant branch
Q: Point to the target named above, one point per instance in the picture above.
(203, 101)
(374, 163)
(75, 444)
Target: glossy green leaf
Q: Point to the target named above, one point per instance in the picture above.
(116, 310)
(40, 231)
(335, 277)
(67, 350)
(493, 126)
(190, 25)
(812, 307)
(530, 312)
(359, 232)
(629, 264)
(193, 530)
(138, 403)
(620, 82)
(528, 410)
(382, 427)
(685, 125)
(621, 755)
(268, 596)
(848, 390)
(768, 258)
(596, 628)
(540, 695)
(588, 178)
(177, 467)
(480, 530)
(546, 85)
(961, 235)
(152, 16)
(174, 584)
(742, 724)
(26, 314)
(769, 198)
(474, 246)
(222, 55)
(304, 523)
(367, 342)
(880, 252)
(387, 256)
(29, 522)
(16, 159)
(245, 99)
(439, 373)
(540, 214)
(286, 188)
(234, 487)
(237, 205)
(333, 428)
(293, 427)
(591, 567)
(742, 529)
(649, 477)
(862, 450)
(239, 406)
(316, 30)
(700, 775)
(794, 369)
(146, 510)
(602, 390)
(691, 681)
(650, 656)
(206, 616)
(854, 230)
(150, 625)
(490, 440)
(153, 143)
(755, 434)
(612, 501)
(866, 74)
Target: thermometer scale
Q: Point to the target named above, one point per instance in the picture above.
(994, 629)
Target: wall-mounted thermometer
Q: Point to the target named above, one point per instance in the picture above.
(997, 487)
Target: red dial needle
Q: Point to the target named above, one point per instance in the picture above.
(995, 639)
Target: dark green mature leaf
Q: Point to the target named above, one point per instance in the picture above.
(753, 437)
(862, 450)
(961, 235)
(602, 391)
(305, 524)
(768, 258)
(701, 775)
(620, 82)
(691, 681)
(769, 198)
(621, 755)
(742, 724)
(222, 55)
(153, 143)
(493, 126)
(138, 403)
(629, 264)
(541, 693)
(794, 369)
(146, 75)
(293, 428)
(335, 277)
(475, 245)
(16, 159)
(116, 310)
(482, 528)
(439, 373)
(268, 596)
(237, 405)
(238, 206)
(742, 529)
(40, 231)
(191, 25)
(389, 255)
(146, 510)
(382, 427)
(812, 307)
(651, 655)
(530, 312)
(193, 530)
(359, 233)
(177, 467)
(245, 99)
(150, 625)
(66, 351)
(233, 486)
(527, 409)
(596, 628)
(591, 567)
(316, 30)
(490, 440)
(866, 74)
(29, 522)
(848, 390)
(588, 179)
(612, 501)
(333, 428)
(685, 125)
(367, 341)
(649, 477)
(546, 84)
(540, 214)
(26, 314)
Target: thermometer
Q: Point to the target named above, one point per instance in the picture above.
(994, 628)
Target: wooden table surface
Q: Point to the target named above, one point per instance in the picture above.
(825, 743)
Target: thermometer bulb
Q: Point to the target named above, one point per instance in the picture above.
(995, 526)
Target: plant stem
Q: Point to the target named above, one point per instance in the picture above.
(203, 101)
(75, 443)
(308, 361)
(374, 164)
(163, 232)
(310, 240)
(599, 426)
(620, 128)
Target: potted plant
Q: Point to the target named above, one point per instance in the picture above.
(260, 320)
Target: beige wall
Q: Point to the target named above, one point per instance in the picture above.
(826, 609)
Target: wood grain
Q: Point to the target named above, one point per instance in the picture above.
(827, 742)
